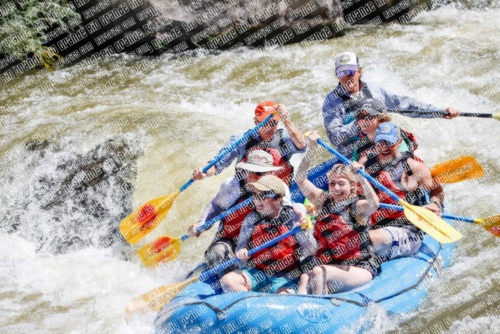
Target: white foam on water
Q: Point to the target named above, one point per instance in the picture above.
(468, 325)
(85, 291)
(88, 289)
(376, 320)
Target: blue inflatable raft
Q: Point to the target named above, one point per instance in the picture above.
(400, 288)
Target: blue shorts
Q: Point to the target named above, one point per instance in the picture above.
(260, 282)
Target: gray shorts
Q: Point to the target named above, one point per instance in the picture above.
(405, 241)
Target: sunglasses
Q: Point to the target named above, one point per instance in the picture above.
(346, 73)
(247, 172)
(364, 116)
(257, 173)
(262, 196)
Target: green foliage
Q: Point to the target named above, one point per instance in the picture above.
(23, 24)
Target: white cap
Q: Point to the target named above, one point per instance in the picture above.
(346, 61)
(259, 161)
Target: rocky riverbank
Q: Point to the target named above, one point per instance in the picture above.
(156, 27)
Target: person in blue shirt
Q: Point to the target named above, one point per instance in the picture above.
(287, 140)
(341, 103)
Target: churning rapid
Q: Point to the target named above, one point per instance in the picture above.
(96, 140)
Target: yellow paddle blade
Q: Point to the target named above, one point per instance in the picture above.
(142, 221)
(491, 224)
(156, 298)
(430, 223)
(162, 249)
(457, 170)
(496, 115)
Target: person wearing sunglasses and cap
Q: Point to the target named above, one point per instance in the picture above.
(232, 192)
(392, 234)
(288, 141)
(340, 104)
(272, 270)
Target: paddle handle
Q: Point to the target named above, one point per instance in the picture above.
(359, 171)
(400, 208)
(207, 273)
(229, 149)
(444, 113)
(219, 217)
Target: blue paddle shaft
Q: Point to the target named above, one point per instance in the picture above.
(381, 186)
(360, 171)
(229, 149)
(400, 208)
(219, 217)
(207, 273)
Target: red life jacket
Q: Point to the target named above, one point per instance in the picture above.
(231, 225)
(389, 217)
(278, 154)
(382, 217)
(286, 171)
(282, 257)
(339, 236)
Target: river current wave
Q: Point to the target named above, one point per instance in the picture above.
(65, 268)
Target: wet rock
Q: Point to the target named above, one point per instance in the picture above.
(73, 201)
(163, 27)
(217, 25)
(153, 27)
(36, 145)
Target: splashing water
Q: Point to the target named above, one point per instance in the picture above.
(63, 263)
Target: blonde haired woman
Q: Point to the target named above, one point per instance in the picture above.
(343, 258)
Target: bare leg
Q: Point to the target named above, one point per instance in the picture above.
(235, 281)
(335, 278)
(382, 240)
(316, 281)
(304, 279)
(285, 291)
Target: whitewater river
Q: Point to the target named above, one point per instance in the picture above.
(174, 115)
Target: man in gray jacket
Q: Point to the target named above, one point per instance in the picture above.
(341, 103)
